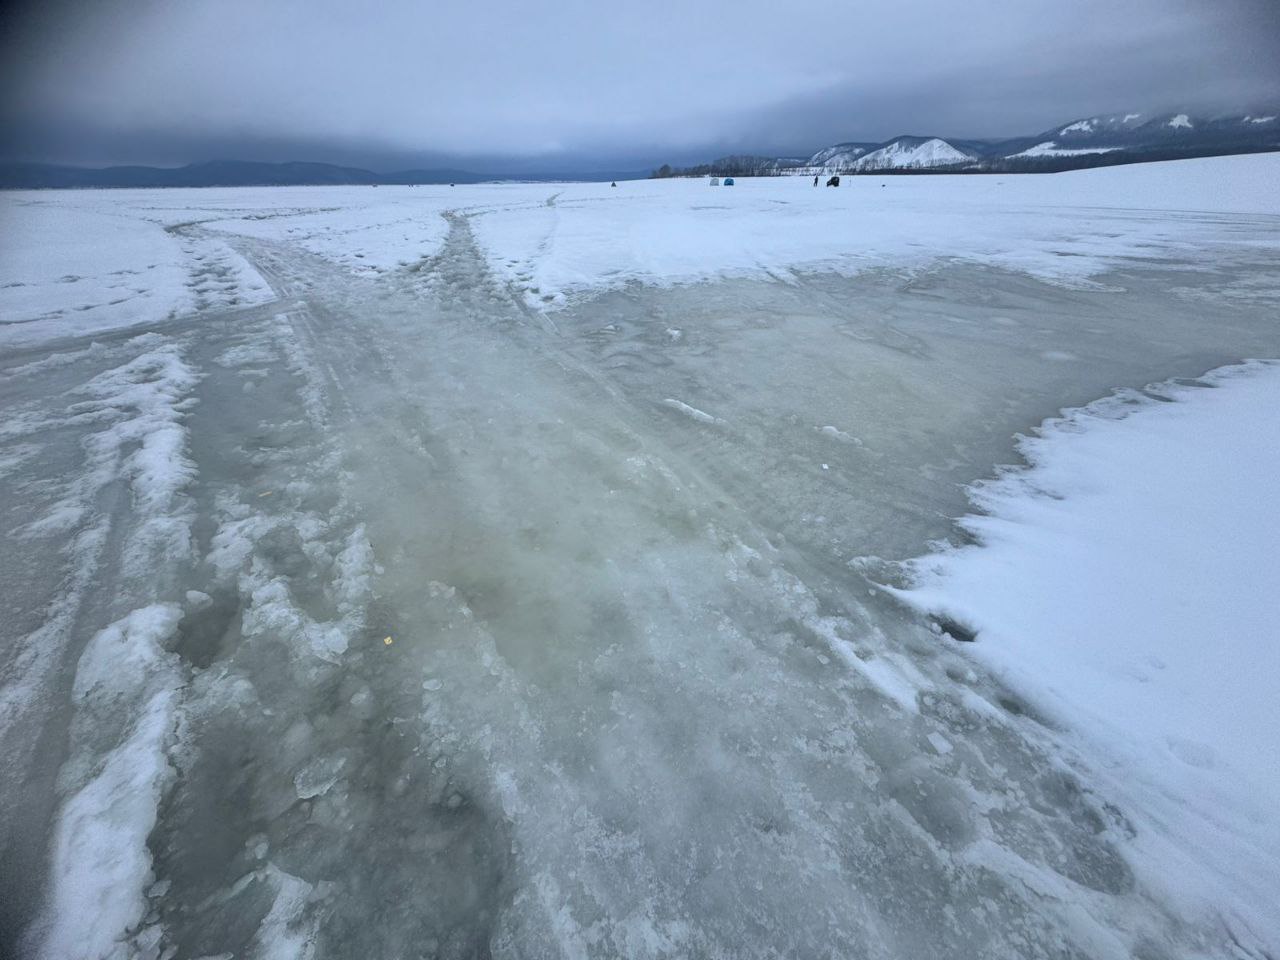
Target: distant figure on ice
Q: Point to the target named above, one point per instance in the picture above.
(834, 181)
(815, 179)
(614, 184)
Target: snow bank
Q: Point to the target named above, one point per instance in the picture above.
(1126, 583)
(125, 694)
(135, 436)
(141, 409)
(126, 683)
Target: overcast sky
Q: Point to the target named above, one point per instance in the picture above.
(558, 85)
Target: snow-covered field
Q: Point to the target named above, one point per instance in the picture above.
(79, 262)
(527, 570)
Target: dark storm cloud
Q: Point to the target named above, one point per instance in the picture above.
(410, 83)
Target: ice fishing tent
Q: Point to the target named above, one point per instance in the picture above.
(715, 181)
(728, 181)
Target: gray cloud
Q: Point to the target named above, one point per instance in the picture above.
(404, 83)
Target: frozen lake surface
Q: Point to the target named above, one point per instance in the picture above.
(501, 570)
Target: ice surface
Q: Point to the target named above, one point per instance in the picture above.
(625, 531)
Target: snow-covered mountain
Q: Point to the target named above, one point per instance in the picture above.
(901, 153)
(1088, 141)
(913, 153)
(1132, 137)
(1132, 131)
(841, 156)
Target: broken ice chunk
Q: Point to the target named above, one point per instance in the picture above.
(318, 776)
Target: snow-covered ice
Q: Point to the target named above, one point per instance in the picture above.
(83, 262)
(1126, 585)
(513, 570)
(139, 256)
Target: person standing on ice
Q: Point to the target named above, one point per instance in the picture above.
(815, 179)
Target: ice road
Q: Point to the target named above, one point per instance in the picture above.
(514, 570)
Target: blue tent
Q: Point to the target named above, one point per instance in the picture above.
(728, 181)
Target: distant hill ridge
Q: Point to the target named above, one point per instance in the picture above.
(1087, 142)
(246, 173)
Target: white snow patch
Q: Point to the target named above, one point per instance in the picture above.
(125, 691)
(1126, 583)
(273, 613)
(77, 262)
(143, 404)
(400, 227)
(664, 231)
(1181, 121)
(286, 932)
(1051, 149)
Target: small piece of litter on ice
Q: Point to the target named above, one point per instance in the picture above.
(266, 493)
(387, 641)
(939, 743)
